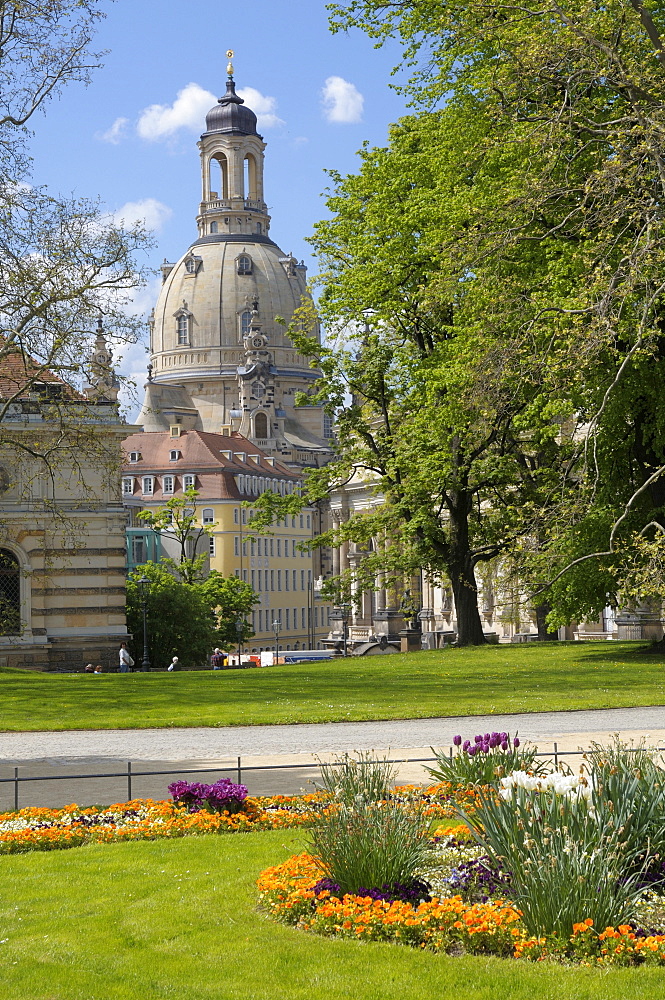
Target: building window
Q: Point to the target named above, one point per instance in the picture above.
(302, 618)
(309, 521)
(213, 227)
(174, 456)
(279, 547)
(168, 484)
(288, 618)
(302, 519)
(236, 546)
(253, 579)
(286, 579)
(294, 579)
(245, 322)
(148, 485)
(244, 264)
(127, 486)
(10, 594)
(235, 515)
(261, 425)
(211, 542)
(286, 547)
(302, 579)
(188, 482)
(272, 579)
(183, 329)
(272, 546)
(135, 456)
(208, 515)
(279, 579)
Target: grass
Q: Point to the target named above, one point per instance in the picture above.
(477, 681)
(177, 920)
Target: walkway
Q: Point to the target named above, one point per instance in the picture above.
(90, 752)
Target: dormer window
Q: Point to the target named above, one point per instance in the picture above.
(189, 482)
(174, 456)
(128, 486)
(135, 456)
(192, 264)
(244, 264)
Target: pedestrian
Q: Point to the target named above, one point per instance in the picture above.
(89, 669)
(218, 659)
(98, 669)
(174, 664)
(126, 662)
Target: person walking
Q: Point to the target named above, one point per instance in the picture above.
(126, 662)
(218, 659)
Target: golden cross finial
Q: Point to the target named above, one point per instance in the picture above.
(229, 56)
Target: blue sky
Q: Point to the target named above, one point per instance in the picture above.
(130, 137)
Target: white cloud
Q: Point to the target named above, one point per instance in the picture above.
(114, 134)
(342, 101)
(152, 213)
(263, 107)
(189, 109)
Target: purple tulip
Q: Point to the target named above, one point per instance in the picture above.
(473, 750)
(478, 739)
(504, 736)
(487, 737)
(494, 740)
(516, 742)
(485, 747)
(504, 744)
(466, 745)
(457, 740)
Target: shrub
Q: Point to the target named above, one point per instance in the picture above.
(484, 760)
(566, 863)
(369, 845)
(347, 777)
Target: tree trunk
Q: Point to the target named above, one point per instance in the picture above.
(465, 595)
(544, 634)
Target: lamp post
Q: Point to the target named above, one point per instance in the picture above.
(276, 626)
(240, 628)
(144, 586)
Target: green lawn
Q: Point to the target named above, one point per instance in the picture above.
(491, 679)
(177, 920)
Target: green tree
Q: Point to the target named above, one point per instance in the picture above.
(178, 517)
(570, 95)
(186, 619)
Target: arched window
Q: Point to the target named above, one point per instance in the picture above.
(208, 515)
(245, 322)
(183, 329)
(10, 594)
(213, 227)
(244, 264)
(261, 425)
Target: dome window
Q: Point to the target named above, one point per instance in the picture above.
(192, 264)
(245, 322)
(261, 425)
(183, 319)
(244, 264)
(213, 227)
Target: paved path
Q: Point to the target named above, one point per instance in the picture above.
(288, 751)
(214, 743)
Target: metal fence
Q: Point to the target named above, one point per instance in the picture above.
(238, 769)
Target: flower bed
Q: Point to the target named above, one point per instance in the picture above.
(448, 925)
(43, 829)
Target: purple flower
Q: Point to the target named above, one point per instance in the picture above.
(494, 740)
(457, 740)
(516, 742)
(478, 739)
(466, 745)
(504, 745)
(485, 747)
(504, 736)
(487, 737)
(473, 750)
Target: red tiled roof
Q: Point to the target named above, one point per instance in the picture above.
(201, 452)
(19, 371)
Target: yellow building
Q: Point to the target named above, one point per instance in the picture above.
(228, 470)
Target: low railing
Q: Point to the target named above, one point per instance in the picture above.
(129, 773)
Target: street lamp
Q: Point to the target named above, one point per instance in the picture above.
(240, 629)
(144, 587)
(276, 626)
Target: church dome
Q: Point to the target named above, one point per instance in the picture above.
(230, 114)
